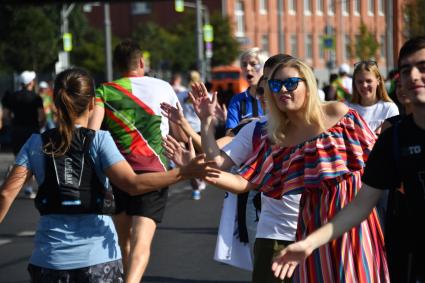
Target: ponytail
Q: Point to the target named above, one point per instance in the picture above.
(72, 93)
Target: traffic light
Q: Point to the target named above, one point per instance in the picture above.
(179, 5)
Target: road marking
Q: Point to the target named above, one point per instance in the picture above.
(180, 190)
(26, 233)
(5, 241)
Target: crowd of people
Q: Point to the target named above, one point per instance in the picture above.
(304, 174)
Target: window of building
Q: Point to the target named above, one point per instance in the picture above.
(308, 46)
(307, 7)
(331, 7)
(347, 47)
(321, 49)
(292, 7)
(141, 8)
(282, 48)
(319, 7)
(357, 7)
(265, 42)
(345, 7)
(381, 7)
(87, 8)
(263, 6)
(371, 7)
(240, 18)
(383, 46)
(294, 47)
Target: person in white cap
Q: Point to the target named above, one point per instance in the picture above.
(342, 88)
(25, 109)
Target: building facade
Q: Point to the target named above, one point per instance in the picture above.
(322, 32)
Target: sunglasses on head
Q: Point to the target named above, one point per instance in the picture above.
(290, 84)
(366, 62)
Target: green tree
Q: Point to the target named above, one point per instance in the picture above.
(175, 49)
(414, 19)
(88, 43)
(225, 47)
(366, 45)
(158, 42)
(29, 38)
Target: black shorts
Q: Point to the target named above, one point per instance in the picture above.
(151, 205)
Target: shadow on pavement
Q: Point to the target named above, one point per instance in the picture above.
(13, 262)
(192, 230)
(179, 280)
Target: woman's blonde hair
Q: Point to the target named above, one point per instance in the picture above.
(278, 120)
(372, 67)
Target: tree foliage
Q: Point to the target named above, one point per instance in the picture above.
(175, 48)
(88, 43)
(226, 47)
(29, 38)
(415, 21)
(366, 44)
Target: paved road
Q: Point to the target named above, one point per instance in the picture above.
(182, 250)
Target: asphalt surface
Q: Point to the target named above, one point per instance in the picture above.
(182, 250)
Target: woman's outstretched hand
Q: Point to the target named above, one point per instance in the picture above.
(174, 114)
(221, 112)
(199, 168)
(176, 152)
(203, 105)
(288, 259)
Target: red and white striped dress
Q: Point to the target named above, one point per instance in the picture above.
(327, 169)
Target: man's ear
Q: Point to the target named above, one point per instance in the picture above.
(142, 63)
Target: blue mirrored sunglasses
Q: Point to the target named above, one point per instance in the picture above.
(290, 84)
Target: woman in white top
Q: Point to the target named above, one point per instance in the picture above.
(370, 98)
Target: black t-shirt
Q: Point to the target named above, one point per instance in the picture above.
(388, 167)
(24, 105)
(384, 170)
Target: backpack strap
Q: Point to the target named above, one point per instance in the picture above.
(243, 108)
(254, 102)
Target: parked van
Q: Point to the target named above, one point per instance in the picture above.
(228, 79)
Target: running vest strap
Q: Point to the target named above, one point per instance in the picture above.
(71, 185)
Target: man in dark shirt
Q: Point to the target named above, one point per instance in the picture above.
(25, 109)
(398, 158)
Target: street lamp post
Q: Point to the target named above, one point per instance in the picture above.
(66, 10)
(108, 48)
(199, 39)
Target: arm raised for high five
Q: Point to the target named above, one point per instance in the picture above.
(176, 152)
(175, 114)
(206, 109)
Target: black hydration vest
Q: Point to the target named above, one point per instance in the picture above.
(71, 185)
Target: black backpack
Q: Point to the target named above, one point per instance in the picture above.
(71, 185)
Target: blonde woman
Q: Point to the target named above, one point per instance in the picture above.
(318, 150)
(370, 98)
